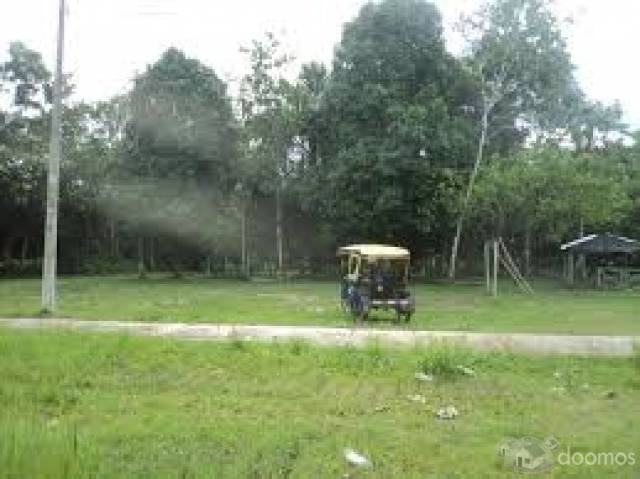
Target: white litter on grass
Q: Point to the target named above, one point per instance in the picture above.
(557, 375)
(356, 459)
(449, 412)
(423, 377)
(417, 398)
(466, 371)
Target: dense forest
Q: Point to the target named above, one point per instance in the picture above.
(397, 141)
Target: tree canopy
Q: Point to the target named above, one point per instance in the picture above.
(390, 127)
(396, 141)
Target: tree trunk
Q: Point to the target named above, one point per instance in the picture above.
(7, 248)
(496, 264)
(570, 269)
(472, 179)
(527, 251)
(279, 230)
(141, 269)
(113, 242)
(152, 254)
(243, 241)
(25, 250)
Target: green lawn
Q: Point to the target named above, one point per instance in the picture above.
(554, 309)
(77, 405)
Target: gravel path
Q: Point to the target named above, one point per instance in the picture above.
(530, 343)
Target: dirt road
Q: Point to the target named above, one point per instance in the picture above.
(529, 343)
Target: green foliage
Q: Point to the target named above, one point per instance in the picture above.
(377, 149)
(520, 59)
(571, 377)
(636, 356)
(100, 265)
(148, 407)
(389, 128)
(299, 347)
(24, 82)
(28, 77)
(446, 361)
(181, 146)
(269, 115)
(182, 126)
(549, 191)
(592, 125)
(196, 299)
(35, 448)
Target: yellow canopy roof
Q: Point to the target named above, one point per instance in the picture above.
(377, 251)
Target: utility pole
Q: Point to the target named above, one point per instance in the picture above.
(55, 147)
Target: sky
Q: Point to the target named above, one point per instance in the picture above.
(109, 41)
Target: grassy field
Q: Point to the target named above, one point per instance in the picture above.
(554, 309)
(75, 405)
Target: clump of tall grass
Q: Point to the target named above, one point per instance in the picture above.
(445, 360)
(34, 448)
(636, 356)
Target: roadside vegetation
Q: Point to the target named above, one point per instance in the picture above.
(395, 140)
(76, 405)
(553, 309)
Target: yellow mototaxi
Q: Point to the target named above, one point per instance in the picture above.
(375, 276)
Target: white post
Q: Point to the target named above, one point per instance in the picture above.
(53, 178)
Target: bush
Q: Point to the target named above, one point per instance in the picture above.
(97, 265)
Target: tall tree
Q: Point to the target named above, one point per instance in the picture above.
(391, 127)
(270, 115)
(25, 86)
(520, 61)
(181, 145)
